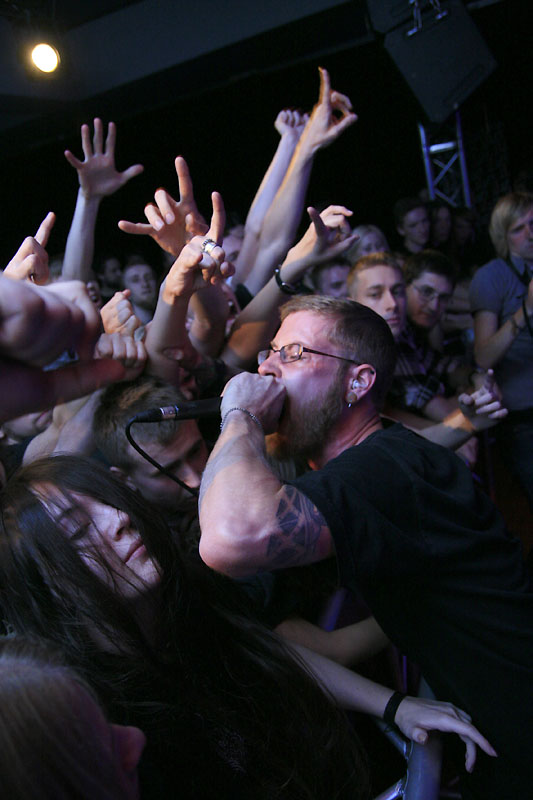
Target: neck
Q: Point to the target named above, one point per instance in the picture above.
(412, 247)
(144, 314)
(353, 427)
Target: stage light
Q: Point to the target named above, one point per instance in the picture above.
(45, 57)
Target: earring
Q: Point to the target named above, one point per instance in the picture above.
(351, 397)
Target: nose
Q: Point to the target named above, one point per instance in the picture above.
(391, 302)
(271, 365)
(434, 303)
(190, 475)
(121, 523)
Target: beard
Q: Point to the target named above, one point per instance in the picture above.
(305, 435)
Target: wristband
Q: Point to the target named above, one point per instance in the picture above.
(288, 288)
(245, 411)
(392, 707)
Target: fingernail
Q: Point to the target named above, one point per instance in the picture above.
(158, 224)
(169, 218)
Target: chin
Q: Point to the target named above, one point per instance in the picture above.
(278, 446)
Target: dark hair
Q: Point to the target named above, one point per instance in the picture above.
(122, 401)
(361, 334)
(317, 271)
(404, 206)
(211, 686)
(100, 261)
(428, 261)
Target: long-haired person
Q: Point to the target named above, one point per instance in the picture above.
(226, 709)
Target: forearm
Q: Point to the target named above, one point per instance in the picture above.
(490, 350)
(452, 432)
(79, 250)
(271, 182)
(210, 309)
(346, 646)
(261, 203)
(438, 408)
(238, 499)
(348, 689)
(166, 330)
(256, 324)
(281, 222)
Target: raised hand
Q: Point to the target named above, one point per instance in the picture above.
(130, 353)
(320, 242)
(329, 118)
(171, 222)
(483, 408)
(97, 173)
(118, 315)
(290, 122)
(200, 264)
(30, 262)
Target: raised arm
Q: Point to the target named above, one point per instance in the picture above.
(289, 125)
(249, 520)
(65, 319)
(256, 324)
(199, 264)
(329, 118)
(98, 177)
(171, 222)
(30, 262)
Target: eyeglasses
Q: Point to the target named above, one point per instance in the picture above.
(427, 294)
(294, 351)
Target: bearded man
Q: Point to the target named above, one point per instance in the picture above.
(410, 529)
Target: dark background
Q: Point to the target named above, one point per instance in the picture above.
(218, 112)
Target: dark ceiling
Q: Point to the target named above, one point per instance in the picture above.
(208, 85)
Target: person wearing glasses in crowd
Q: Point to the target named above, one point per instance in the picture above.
(412, 532)
(423, 383)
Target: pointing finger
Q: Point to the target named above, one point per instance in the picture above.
(45, 228)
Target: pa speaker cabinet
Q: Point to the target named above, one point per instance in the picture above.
(443, 62)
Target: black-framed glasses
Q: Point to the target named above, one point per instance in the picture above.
(294, 351)
(427, 294)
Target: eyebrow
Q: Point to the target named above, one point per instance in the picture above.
(171, 465)
(382, 286)
(177, 461)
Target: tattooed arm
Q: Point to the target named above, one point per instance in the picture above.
(249, 520)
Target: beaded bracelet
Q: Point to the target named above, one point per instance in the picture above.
(245, 411)
(288, 288)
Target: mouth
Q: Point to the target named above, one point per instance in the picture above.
(134, 550)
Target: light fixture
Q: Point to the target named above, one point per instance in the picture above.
(45, 57)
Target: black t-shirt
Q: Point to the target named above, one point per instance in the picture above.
(434, 562)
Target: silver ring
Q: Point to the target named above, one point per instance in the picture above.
(208, 245)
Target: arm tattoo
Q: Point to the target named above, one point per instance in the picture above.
(299, 526)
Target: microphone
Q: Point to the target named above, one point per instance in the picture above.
(189, 409)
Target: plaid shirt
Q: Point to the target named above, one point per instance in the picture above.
(420, 372)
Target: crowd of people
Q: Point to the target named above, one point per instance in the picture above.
(161, 578)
